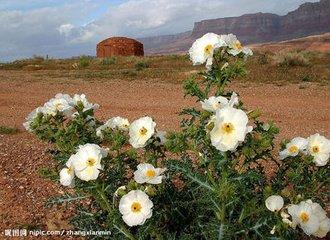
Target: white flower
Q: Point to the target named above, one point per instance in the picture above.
(307, 215)
(118, 122)
(67, 174)
(61, 103)
(319, 148)
(140, 131)
(214, 103)
(274, 203)
(113, 123)
(87, 161)
(161, 136)
(203, 48)
(146, 173)
(235, 45)
(83, 100)
(292, 148)
(229, 39)
(230, 129)
(30, 118)
(136, 208)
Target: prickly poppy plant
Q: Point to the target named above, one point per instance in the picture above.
(206, 181)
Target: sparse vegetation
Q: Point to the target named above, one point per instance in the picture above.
(85, 61)
(141, 65)
(109, 61)
(291, 59)
(129, 73)
(48, 173)
(307, 78)
(295, 67)
(8, 130)
(263, 58)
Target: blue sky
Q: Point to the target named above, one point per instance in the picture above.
(63, 28)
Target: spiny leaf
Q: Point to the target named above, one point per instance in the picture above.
(64, 199)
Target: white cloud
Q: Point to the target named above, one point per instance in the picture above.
(41, 31)
(65, 29)
(60, 30)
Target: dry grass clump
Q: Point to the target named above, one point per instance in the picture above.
(291, 59)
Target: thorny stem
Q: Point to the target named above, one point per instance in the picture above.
(124, 231)
(105, 200)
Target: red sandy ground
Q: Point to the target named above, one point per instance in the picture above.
(23, 192)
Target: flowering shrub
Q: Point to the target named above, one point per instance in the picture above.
(206, 181)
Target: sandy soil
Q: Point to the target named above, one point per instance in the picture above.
(23, 192)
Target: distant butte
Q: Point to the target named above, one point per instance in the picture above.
(309, 19)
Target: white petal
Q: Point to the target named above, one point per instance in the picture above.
(274, 203)
(66, 177)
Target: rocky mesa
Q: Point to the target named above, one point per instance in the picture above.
(308, 19)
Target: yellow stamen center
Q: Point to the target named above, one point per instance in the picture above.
(150, 173)
(238, 45)
(304, 217)
(293, 149)
(136, 207)
(208, 49)
(90, 162)
(70, 170)
(227, 127)
(143, 131)
(315, 149)
(58, 105)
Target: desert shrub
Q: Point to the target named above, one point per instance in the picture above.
(290, 59)
(8, 130)
(263, 58)
(108, 61)
(205, 181)
(85, 61)
(141, 65)
(129, 73)
(132, 59)
(307, 78)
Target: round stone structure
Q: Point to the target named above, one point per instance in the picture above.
(119, 46)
